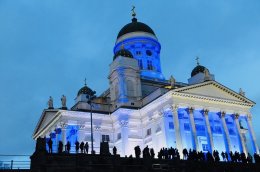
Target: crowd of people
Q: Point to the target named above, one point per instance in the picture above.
(167, 153)
(82, 147)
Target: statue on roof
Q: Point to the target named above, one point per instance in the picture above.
(207, 75)
(241, 92)
(50, 103)
(63, 101)
(172, 81)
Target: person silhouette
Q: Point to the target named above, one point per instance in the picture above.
(86, 147)
(68, 147)
(77, 146)
(60, 147)
(137, 152)
(50, 145)
(81, 146)
(114, 150)
(152, 153)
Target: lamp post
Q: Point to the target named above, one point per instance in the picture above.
(91, 97)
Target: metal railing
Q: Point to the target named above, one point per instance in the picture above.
(14, 162)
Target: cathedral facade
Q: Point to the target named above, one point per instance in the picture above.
(141, 107)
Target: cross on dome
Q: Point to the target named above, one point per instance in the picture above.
(197, 59)
(133, 11)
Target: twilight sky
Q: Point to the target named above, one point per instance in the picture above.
(48, 48)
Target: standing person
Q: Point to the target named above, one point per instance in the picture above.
(68, 147)
(50, 145)
(114, 150)
(60, 147)
(137, 152)
(86, 147)
(77, 146)
(152, 153)
(81, 146)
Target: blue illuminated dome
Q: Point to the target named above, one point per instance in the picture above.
(135, 26)
(141, 42)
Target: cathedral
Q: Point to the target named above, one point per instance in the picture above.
(142, 107)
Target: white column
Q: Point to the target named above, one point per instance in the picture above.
(194, 132)
(223, 114)
(124, 135)
(240, 134)
(177, 129)
(81, 133)
(206, 115)
(63, 132)
(252, 133)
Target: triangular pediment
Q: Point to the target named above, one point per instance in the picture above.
(213, 89)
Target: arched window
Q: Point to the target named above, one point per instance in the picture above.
(130, 88)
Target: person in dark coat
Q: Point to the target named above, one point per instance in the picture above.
(68, 147)
(77, 146)
(60, 147)
(114, 150)
(152, 153)
(81, 146)
(137, 152)
(185, 153)
(86, 147)
(50, 145)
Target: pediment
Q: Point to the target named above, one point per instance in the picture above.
(45, 118)
(213, 89)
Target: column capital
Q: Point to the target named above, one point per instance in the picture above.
(236, 115)
(63, 125)
(174, 107)
(97, 128)
(82, 126)
(249, 116)
(191, 109)
(223, 114)
(123, 123)
(206, 111)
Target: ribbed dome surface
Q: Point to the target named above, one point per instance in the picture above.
(85, 90)
(198, 69)
(135, 26)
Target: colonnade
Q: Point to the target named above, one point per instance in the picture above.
(226, 134)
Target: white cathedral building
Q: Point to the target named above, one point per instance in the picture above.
(141, 107)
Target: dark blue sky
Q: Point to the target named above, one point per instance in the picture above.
(48, 48)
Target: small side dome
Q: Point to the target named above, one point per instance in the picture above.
(124, 53)
(85, 90)
(198, 69)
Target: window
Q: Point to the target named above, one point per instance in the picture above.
(116, 91)
(130, 88)
(171, 126)
(199, 127)
(186, 126)
(140, 63)
(149, 65)
(119, 136)
(216, 129)
(138, 53)
(231, 132)
(105, 138)
(205, 147)
(149, 132)
(148, 52)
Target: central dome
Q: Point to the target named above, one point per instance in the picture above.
(135, 26)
